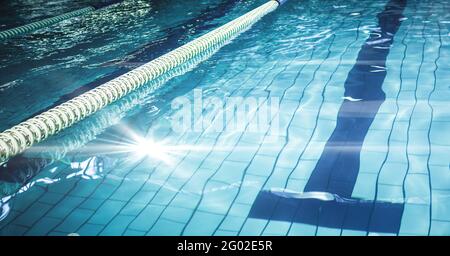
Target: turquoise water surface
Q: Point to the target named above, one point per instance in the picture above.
(324, 118)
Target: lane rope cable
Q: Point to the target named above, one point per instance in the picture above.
(50, 21)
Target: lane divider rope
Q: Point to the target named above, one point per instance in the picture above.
(76, 137)
(43, 23)
(22, 136)
(53, 20)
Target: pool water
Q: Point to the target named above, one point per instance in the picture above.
(324, 118)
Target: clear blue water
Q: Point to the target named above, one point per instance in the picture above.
(358, 143)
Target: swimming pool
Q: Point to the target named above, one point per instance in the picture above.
(324, 118)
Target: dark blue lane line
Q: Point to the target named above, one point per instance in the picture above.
(337, 168)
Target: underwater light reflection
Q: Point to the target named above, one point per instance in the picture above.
(150, 148)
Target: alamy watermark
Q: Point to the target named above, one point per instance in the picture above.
(219, 114)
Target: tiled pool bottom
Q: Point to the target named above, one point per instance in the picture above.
(213, 184)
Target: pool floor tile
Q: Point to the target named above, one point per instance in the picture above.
(74, 220)
(117, 226)
(89, 229)
(106, 212)
(33, 215)
(415, 219)
(43, 226)
(202, 223)
(146, 218)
